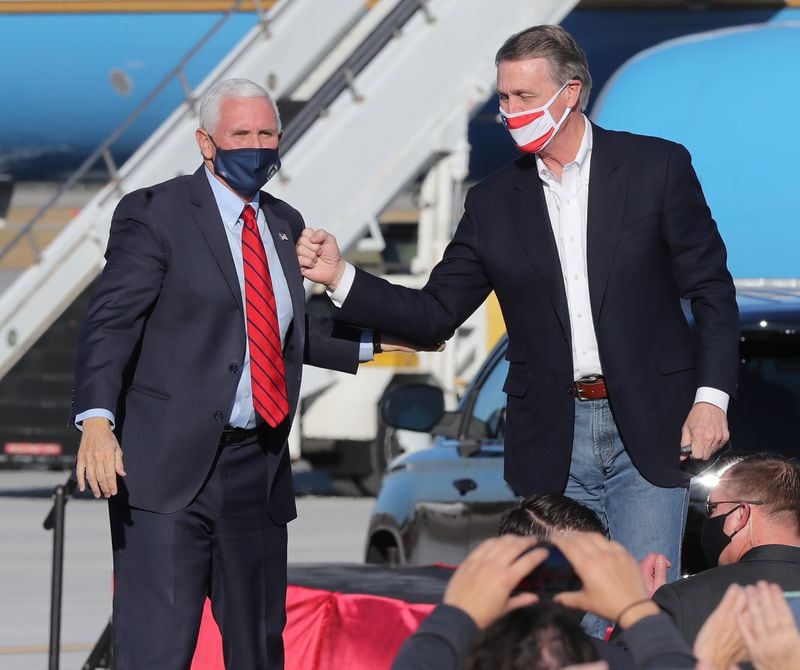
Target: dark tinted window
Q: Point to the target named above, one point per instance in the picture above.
(488, 410)
(766, 414)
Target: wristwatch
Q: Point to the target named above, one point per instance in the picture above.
(376, 342)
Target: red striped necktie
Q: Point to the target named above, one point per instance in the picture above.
(263, 332)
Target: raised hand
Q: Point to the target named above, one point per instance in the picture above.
(719, 642)
(768, 629)
(319, 257)
(613, 587)
(483, 583)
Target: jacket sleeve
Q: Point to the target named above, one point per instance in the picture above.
(699, 268)
(330, 344)
(458, 284)
(440, 643)
(129, 285)
(656, 644)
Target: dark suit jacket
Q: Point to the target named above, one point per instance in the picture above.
(163, 342)
(690, 601)
(651, 241)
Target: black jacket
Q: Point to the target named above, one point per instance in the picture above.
(690, 601)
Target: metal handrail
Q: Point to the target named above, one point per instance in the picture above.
(103, 151)
(344, 76)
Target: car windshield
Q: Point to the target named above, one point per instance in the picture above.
(766, 414)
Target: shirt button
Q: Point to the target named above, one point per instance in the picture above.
(583, 353)
(580, 315)
(218, 416)
(572, 239)
(577, 277)
(233, 368)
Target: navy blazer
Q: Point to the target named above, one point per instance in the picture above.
(163, 341)
(651, 241)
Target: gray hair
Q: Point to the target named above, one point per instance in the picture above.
(567, 60)
(230, 88)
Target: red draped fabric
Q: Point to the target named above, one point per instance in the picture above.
(329, 631)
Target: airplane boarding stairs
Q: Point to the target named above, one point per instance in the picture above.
(383, 96)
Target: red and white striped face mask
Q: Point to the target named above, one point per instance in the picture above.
(532, 129)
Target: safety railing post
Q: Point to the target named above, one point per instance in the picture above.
(56, 518)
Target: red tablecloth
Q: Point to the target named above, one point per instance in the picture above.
(326, 630)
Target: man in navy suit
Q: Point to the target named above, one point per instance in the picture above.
(589, 240)
(169, 369)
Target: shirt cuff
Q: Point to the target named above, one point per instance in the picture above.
(366, 350)
(93, 413)
(343, 290)
(712, 396)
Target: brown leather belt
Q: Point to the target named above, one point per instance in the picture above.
(589, 388)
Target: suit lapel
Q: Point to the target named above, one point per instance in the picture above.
(206, 216)
(532, 222)
(607, 191)
(281, 231)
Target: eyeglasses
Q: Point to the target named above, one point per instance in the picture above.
(711, 506)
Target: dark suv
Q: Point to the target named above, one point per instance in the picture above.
(438, 503)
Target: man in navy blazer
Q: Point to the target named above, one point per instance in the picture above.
(200, 500)
(589, 240)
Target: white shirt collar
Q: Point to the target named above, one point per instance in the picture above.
(581, 160)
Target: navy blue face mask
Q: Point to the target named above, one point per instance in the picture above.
(246, 170)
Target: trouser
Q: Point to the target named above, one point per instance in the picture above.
(641, 516)
(222, 545)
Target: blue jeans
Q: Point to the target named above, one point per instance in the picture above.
(639, 515)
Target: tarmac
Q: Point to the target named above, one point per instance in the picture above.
(328, 530)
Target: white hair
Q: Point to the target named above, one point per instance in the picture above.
(230, 88)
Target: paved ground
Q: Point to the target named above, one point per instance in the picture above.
(328, 530)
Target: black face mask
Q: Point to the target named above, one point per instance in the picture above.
(713, 538)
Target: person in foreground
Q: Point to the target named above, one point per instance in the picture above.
(482, 591)
(542, 516)
(190, 360)
(752, 531)
(589, 240)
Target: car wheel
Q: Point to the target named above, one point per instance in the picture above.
(383, 550)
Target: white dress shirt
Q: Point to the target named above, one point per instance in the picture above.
(567, 204)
